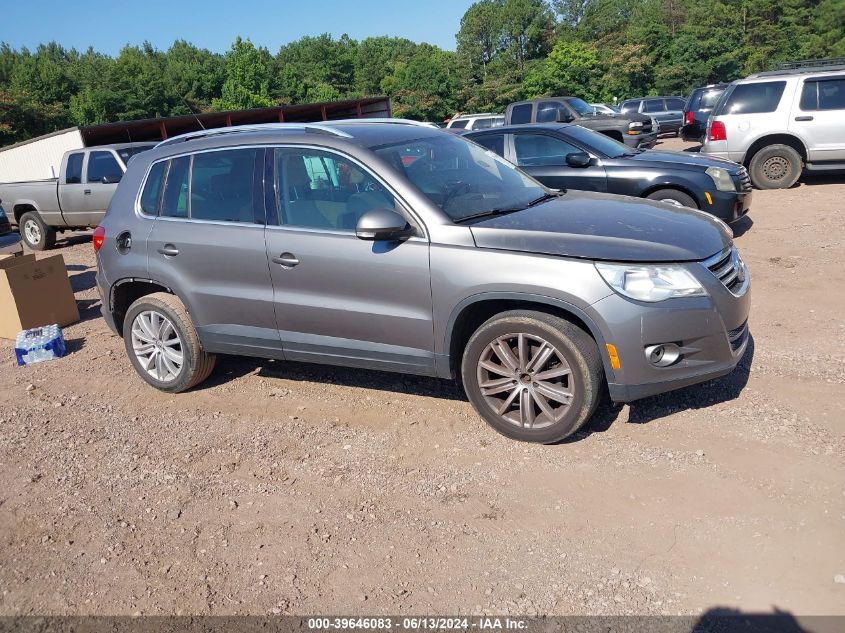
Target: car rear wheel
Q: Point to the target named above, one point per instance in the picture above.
(775, 167)
(35, 233)
(673, 196)
(532, 376)
(163, 345)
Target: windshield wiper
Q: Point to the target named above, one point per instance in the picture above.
(505, 211)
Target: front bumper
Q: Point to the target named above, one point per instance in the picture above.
(728, 206)
(711, 331)
(10, 244)
(644, 141)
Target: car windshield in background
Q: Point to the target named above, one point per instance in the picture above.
(599, 142)
(582, 107)
(460, 177)
(126, 153)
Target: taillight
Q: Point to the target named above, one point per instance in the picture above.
(717, 131)
(99, 238)
(689, 118)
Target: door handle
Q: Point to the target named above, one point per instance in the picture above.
(168, 250)
(288, 260)
(803, 118)
(87, 192)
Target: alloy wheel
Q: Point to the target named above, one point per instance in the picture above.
(157, 345)
(525, 380)
(31, 231)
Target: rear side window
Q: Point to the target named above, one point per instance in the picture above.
(653, 105)
(521, 114)
(754, 98)
(103, 165)
(493, 142)
(483, 124)
(459, 125)
(222, 186)
(825, 94)
(674, 104)
(73, 171)
(709, 98)
(152, 189)
(174, 202)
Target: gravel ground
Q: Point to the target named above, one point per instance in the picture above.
(291, 488)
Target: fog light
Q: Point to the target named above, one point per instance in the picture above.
(663, 355)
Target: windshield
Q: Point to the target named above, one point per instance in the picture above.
(460, 177)
(582, 107)
(128, 152)
(599, 142)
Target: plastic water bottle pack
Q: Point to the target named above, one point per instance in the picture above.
(39, 344)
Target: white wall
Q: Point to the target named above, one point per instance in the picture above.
(38, 159)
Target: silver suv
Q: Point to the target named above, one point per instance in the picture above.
(780, 122)
(394, 246)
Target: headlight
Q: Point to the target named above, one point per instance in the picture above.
(721, 178)
(650, 283)
(634, 124)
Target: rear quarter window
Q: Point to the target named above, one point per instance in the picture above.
(152, 189)
(521, 114)
(754, 98)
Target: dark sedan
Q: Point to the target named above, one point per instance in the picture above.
(563, 156)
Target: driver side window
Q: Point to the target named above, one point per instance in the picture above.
(533, 150)
(322, 190)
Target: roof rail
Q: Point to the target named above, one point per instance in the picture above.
(381, 120)
(321, 128)
(811, 63)
(804, 66)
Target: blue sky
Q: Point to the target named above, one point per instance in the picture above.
(108, 25)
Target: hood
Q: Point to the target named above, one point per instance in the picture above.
(686, 159)
(606, 227)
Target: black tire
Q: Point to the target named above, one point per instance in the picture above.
(572, 346)
(196, 365)
(673, 196)
(775, 167)
(34, 233)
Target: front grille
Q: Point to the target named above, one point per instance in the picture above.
(737, 337)
(744, 180)
(730, 270)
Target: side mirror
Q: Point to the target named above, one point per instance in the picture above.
(563, 116)
(110, 180)
(578, 159)
(383, 224)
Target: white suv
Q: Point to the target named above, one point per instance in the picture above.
(778, 122)
(476, 121)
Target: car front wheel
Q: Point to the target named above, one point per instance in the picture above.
(673, 196)
(163, 345)
(532, 376)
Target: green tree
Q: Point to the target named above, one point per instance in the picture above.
(247, 83)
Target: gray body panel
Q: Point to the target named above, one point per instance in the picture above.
(326, 296)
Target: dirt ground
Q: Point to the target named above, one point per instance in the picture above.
(291, 488)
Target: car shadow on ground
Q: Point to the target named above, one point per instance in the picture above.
(73, 239)
(231, 367)
(719, 619)
(83, 281)
(88, 309)
(741, 226)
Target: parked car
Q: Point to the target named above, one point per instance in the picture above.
(10, 242)
(475, 121)
(77, 199)
(635, 130)
(455, 264)
(668, 111)
(564, 156)
(780, 122)
(697, 110)
(603, 108)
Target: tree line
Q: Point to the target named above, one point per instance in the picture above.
(506, 50)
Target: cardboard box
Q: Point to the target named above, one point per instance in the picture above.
(34, 293)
